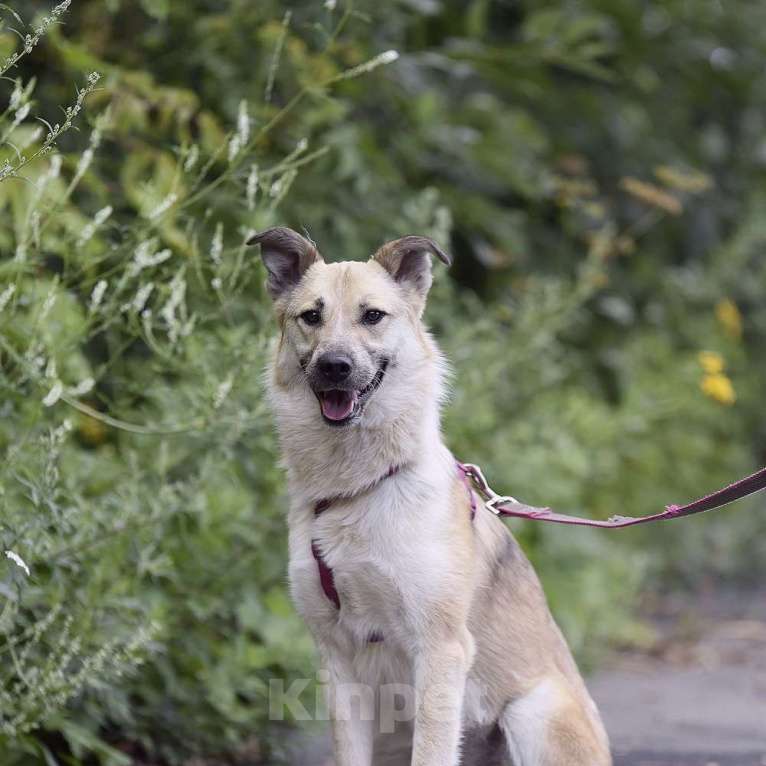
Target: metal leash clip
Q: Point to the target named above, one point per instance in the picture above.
(491, 498)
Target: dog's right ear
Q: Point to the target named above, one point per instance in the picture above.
(286, 255)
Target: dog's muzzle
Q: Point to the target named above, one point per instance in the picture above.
(340, 405)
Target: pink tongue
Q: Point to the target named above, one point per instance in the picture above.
(337, 405)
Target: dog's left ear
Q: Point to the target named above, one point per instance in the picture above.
(408, 261)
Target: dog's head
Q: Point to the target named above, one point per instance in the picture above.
(347, 326)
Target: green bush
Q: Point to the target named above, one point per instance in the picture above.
(140, 481)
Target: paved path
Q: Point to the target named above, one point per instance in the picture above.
(699, 697)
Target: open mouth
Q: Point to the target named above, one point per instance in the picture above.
(341, 406)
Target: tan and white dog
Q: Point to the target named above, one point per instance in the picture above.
(401, 588)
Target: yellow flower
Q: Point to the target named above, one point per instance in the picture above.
(728, 315)
(710, 362)
(719, 387)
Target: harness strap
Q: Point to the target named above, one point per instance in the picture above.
(503, 505)
(326, 577)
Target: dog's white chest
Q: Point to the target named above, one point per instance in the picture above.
(375, 560)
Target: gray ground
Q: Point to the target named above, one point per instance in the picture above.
(697, 697)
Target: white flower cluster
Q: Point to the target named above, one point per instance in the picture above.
(141, 297)
(239, 140)
(6, 295)
(192, 157)
(98, 294)
(146, 255)
(174, 310)
(70, 112)
(387, 57)
(92, 227)
(223, 390)
(243, 123)
(18, 561)
(216, 245)
(48, 303)
(30, 41)
(54, 394)
(163, 206)
(252, 186)
(85, 386)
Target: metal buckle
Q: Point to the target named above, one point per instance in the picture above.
(495, 500)
(491, 498)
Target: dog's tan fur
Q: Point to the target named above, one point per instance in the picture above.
(463, 616)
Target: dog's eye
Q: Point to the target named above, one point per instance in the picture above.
(311, 317)
(372, 316)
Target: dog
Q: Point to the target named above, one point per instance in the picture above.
(405, 581)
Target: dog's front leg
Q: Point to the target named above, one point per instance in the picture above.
(440, 674)
(351, 707)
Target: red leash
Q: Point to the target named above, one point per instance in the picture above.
(502, 505)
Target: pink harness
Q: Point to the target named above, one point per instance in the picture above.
(326, 577)
(503, 505)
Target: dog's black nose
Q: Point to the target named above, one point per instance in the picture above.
(334, 367)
